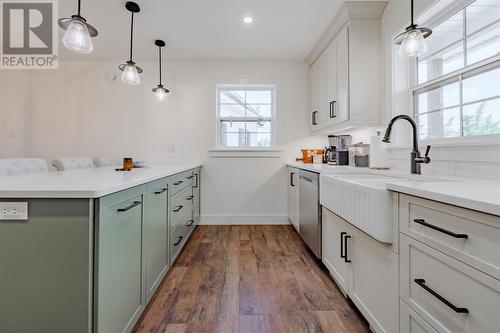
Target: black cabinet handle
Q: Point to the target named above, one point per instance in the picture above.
(334, 109)
(421, 283)
(190, 197)
(314, 118)
(342, 234)
(345, 248)
(178, 208)
(196, 180)
(178, 182)
(179, 241)
(163, 190)
(291, 179)
(132, 205)
(444, 231)
(190, 177)
(190, 223)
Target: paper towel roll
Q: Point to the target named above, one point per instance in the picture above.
(378, 153)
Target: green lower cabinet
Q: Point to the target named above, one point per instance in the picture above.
(155, 235)
(120, 297)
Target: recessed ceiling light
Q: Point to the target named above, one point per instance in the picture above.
(248, 19)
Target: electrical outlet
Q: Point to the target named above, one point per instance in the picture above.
(170, 149)
(13, 211)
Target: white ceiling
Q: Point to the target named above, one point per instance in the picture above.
(204, 29)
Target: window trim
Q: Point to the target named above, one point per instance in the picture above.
(272, 147)
(455, 76)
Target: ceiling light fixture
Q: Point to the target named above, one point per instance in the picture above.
(248, 19)
(160, 91)
(412, 40)
(130, 70)
(78, 33)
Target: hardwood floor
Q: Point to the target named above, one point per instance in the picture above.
(248, 279)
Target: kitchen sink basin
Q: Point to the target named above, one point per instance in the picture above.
(364, 201)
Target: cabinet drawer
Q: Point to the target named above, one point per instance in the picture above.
(181, 206)
(411, 322)
(177, 239)
(465, 235)
(181, 180)
(450, 295)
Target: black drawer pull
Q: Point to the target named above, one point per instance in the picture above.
(421, 283)
(132, 205)
(178, 208)
(342, 234)
(291, 178)
(163, 190)
(190, 197)
(345, 248)
(196, 181)
(178, 182)
(190, 177)
(190, 223)
(444, 231)
(179, 241)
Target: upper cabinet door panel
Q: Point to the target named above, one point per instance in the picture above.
(341, 107)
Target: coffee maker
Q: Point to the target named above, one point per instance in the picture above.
(338, 151)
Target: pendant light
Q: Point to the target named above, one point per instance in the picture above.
(412, 40)
(160, 91)
(130, 70)
(78, 33)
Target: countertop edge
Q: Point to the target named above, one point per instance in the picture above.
(480, 206)
(79, 194)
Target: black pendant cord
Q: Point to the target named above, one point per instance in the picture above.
(411, 13)
(79, 7)
(159, 51)
(131, 35)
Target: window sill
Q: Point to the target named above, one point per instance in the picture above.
(460, 142)
(244, 153)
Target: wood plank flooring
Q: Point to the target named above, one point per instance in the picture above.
(248, 279)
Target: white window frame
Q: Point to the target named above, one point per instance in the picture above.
(455, 76)
(272, 119)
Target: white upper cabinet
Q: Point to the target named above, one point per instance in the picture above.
(346, 70)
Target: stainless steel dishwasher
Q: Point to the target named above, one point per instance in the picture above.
(310, 211)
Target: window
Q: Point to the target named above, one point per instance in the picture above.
(458, 78)
(245, 116)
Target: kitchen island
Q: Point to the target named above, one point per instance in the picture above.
(94, 246)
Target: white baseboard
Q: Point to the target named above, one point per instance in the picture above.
(248, 219)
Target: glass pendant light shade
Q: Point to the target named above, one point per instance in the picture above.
(413, 44)
(160, 94)
(78, 33)
(130, 75)
(77, 37)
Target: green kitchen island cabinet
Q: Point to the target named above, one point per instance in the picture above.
(94, 248)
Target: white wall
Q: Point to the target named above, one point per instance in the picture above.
(79, 110)
(462, 159)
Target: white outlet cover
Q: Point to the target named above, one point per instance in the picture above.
(14, 211)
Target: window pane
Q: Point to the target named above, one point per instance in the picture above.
(444, 62)
(232, 140)
(232, 126)
(259, 126)
(232, 96)
(261, 140)
(439, 98)
(259, 97)
(231, 110)
(440, 124)
(481, 86)
(482, 118)
(446, 33)
(259, 110)
(484, 44)
(481, 13)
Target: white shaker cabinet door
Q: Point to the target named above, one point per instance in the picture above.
(340, 108)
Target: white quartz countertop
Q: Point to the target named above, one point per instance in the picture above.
(86, 183)
(476, 194)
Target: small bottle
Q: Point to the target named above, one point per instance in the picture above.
(128, 163)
